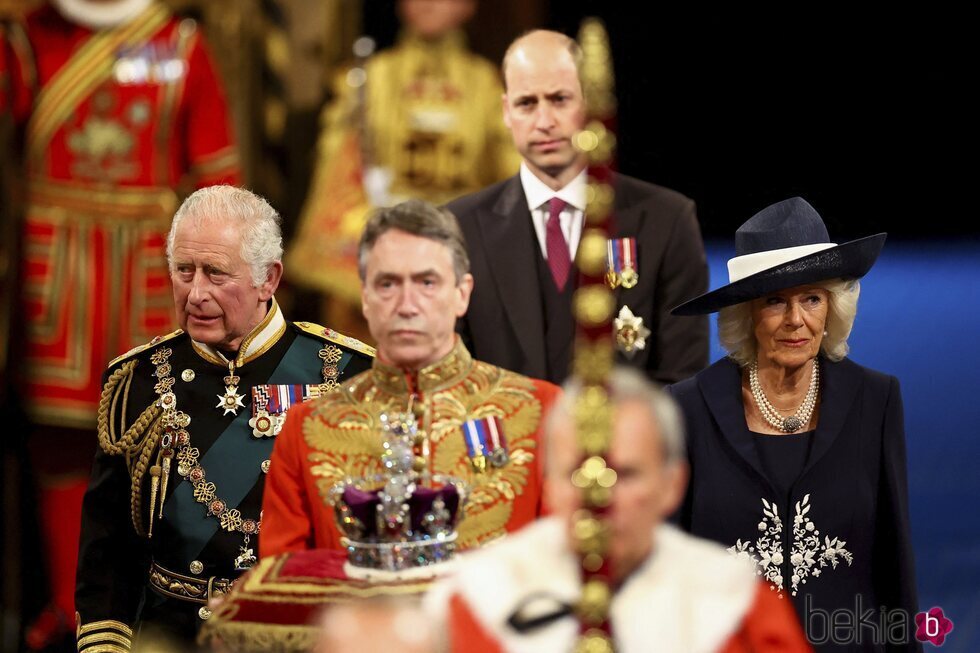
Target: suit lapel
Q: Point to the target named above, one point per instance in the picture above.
(504, 229)
(721, 387)
(839, 387)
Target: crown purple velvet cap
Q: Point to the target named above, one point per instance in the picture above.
(399, 519)
(421, 531)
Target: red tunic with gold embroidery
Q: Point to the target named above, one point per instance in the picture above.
(324, 441)
(114, 119)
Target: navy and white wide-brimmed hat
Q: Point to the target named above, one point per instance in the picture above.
(782, 246)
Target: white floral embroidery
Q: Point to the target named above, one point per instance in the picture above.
(768, 550)
(807, 555)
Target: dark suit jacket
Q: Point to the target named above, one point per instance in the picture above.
(505, 324)
(854, 483)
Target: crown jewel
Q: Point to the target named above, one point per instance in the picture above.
(400, 519)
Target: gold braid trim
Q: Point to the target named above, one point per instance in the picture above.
(105, 648)
(137, 442)
(107, 407)
(106, 624)
(247, 637)
(137, 473)
(104, 638)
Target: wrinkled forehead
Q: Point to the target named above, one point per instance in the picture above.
(208, 235)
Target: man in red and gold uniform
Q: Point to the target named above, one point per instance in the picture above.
(478, 423)
(119, 103)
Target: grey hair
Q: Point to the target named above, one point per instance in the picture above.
(737, 334)
(568, 42)
(419, 218)
(258, 222)
(627, 384)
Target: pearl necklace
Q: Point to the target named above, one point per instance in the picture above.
(794, 422)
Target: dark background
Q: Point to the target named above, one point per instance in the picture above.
(861, 112)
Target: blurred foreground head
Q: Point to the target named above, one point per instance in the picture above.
(646, 451)
(378, 625)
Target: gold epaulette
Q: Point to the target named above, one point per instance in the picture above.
(138, 348)
(323, 333)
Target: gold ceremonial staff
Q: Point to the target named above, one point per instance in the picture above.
(593, 308)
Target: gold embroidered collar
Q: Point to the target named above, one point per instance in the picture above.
(256, 343)
(442, 374)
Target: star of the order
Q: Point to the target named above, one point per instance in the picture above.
(231, 401)
(631, 334)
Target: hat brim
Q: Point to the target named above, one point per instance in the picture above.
(851, 260)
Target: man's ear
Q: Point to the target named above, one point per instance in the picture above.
(271, 283)
(465, 290)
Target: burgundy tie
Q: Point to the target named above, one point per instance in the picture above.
(557, 247)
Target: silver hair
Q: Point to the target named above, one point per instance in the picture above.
(258, 222)
(627, 384)
(737, 333)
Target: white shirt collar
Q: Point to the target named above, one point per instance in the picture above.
(256, 343)
(572, 216)
(538, 193)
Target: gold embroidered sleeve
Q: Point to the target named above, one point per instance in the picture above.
(107, 635)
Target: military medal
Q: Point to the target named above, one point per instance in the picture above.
(631, 335)
(231, 401)
(485, 442)
(270, 403)
(621, 262)
(263, 424)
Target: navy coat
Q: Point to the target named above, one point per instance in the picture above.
(843, 532)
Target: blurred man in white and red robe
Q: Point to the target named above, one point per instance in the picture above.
(671, 591)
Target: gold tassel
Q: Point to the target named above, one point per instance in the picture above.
(163, 481)
(154, 486)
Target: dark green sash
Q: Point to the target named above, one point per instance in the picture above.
(233, 463)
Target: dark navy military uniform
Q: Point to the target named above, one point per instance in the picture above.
(210, 524)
